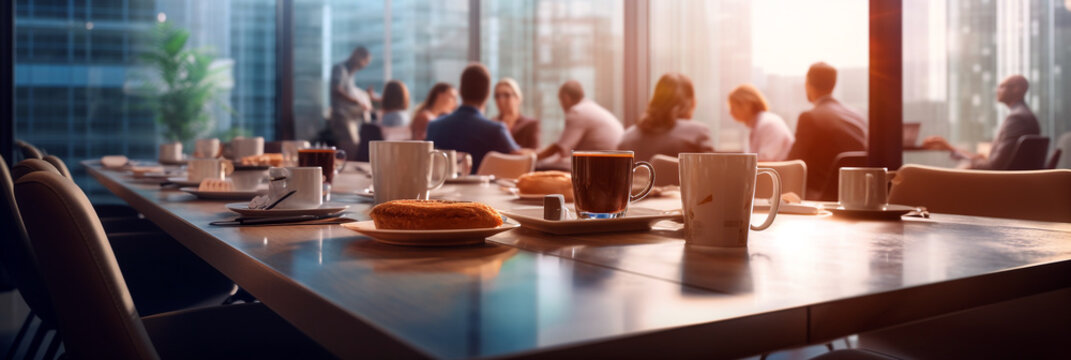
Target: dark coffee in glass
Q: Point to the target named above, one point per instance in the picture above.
(602, 183)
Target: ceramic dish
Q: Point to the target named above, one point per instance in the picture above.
(449, 237)
(243, 209)
(637, 219)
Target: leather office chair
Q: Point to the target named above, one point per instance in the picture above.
(667, 171)
(1030, 153)
(29, 151)
(162, 274)
(1043, 195)
(369, 133)
(19, 262)
(793, 178)
(506, 166)
(845, 159)
(1054, 160)
(94, 309)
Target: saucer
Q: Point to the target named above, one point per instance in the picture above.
(470, 179)
(183, 181)
(887, 212)
(447, 237)
(243, 209)
(222, 195)
(637, 219)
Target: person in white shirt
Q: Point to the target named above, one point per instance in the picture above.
(588, 126)
(350, 106)
(770, 137)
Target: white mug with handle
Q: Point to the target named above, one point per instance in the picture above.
(716, 196)
(403, 169)
(863, 188)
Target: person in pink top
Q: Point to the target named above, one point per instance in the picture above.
(666, 127)
(588, 126)
(770, 137)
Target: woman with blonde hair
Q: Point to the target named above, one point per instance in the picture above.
(666, 127)
(441, 100)
(770, 137)
(508, 97)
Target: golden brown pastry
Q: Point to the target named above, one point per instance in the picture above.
(216, 185)
(546, 182)
(269, 159)
(434, 215)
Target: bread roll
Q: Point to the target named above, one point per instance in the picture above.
(434, 215)
(546, 182)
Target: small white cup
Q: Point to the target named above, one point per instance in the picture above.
(290, 151)
(308, 181)
(716, 196)
(243, 146)
(206, 148)
(459, 163)
(248, 179)
(863, 188)
(170, 153)
(200, 169)
(403, 169)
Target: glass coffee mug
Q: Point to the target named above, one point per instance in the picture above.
(602, 183)
(328, 159)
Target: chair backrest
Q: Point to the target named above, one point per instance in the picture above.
(17, 252)
(1054, 160)
(59, 165)
(793, 178)
(505, 166)
(845, 159)
(1030, 153)
(96, 314)
(1043, 195)
(29, 151)
(369, 133)
(24, 167)
(667, 170)
(1064, 144)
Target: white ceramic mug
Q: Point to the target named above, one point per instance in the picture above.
(863, 188)
(200, 169)
(290, 151)
(243, 146)
(170, 153)
(403, 169)
(206, 148)
(307, 181)
(248, 179)
(716, 196)
(460, 163)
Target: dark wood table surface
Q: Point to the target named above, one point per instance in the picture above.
(806, 280)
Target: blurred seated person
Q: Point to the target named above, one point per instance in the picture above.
(666, 127)
(825, 131)
(1020, 122)
(466, 129)
(395, 105)
(508, 97)
(588, 126)
(770, 137)
(441, 100)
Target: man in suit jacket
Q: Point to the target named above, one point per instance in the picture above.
(1020, 122)
(825, 131)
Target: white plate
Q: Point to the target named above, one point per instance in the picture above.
(470, 179)
(325, 209)
(451, 237)
(887, 212)
(637, 219)
(183, 181)
(223, 195)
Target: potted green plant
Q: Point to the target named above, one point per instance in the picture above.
(181, 84)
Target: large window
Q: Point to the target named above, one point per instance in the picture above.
(956, 52)
(414, 41)
(72, 62)
(544, 43)
(767, 43)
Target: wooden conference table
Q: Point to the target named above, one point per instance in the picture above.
(806, 280)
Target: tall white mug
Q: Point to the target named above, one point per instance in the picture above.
(863, 188)
(403, 169)
(206, 148)
(170, 153)
(716, 196)
(243, 146)
(307, 181)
